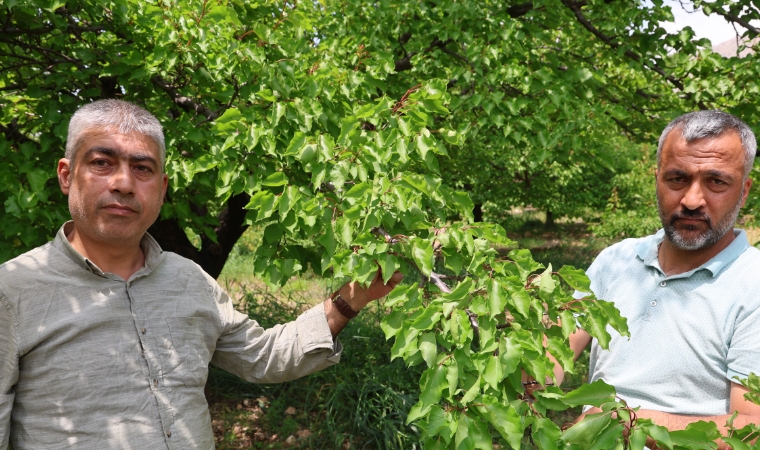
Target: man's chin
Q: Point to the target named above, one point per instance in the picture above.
(690, 239)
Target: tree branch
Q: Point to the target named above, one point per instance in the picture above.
(736, 19)
(186, 103)
(576, 9)
(14, 134)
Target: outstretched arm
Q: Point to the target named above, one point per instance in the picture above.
(357, 298)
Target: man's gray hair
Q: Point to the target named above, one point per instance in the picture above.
(711, 124)
(123, 117)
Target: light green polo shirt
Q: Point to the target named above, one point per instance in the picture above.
(691, 333)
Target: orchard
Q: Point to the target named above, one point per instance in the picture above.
(358, 135)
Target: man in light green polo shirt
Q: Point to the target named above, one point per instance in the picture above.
(105, 339)
(691, 292)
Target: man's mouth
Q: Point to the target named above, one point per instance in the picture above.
(115, 208)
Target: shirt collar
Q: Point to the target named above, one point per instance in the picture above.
(647, 248)
(151, 250)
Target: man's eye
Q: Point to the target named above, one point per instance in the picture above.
(719, 182)
(143, 169)
(677, 179)
(100, 162)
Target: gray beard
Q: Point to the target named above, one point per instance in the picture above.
(708, 238)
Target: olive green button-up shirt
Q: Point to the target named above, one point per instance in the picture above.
(90, 361)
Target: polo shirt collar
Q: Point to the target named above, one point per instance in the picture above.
(647, 248)
(151, 250)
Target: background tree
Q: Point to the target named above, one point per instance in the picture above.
(541, 91)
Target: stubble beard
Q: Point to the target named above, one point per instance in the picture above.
(707, 238)
(113, 232)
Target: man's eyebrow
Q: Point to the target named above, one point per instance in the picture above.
(104, 150)
(676, 172)
(117, 154)
(718, 174)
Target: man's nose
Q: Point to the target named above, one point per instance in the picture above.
(122, 180)
(694, 197)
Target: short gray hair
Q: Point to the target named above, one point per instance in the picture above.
(123, 116)
(711, 124)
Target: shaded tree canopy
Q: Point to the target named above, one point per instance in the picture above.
(545, 98)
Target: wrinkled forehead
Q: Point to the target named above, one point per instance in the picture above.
(725, 150)
(111, 138)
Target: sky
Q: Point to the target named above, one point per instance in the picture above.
(715, 28)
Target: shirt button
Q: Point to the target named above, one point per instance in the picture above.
(155, 382)
(663, 284)
(142, 330)
(168, 434)
(653, 303)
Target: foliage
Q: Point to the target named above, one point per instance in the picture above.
(363, 400)
(330, 125)
(631, 210)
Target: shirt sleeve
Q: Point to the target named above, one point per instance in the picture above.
(282, 353)
(744, 351)
(8, 368)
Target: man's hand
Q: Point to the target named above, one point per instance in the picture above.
(358, 297)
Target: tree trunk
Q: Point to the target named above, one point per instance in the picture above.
(549, 220)
(477, 212)
(212, 255)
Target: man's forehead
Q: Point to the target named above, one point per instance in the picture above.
(727, 147)
(107, 138)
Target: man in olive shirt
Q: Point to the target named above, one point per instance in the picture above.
(105, 339)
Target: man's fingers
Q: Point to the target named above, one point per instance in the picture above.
(395, 278)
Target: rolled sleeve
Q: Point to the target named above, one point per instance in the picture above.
(282, 353)
(8, 367)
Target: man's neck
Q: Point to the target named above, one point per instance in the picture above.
(123, 260)
(674, 260)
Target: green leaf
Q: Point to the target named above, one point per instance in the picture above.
(510, 353)
(608, 438)
(427, 319)
(546, 284)
(472, 433)
(575, 278)
(422, 254)
(229, 116)
(493, 373)
(584, 432)
(659, 434)
(431, 390)
(593, 394)
(497, 302)
(617, 321)
(735, 444)
(503, 418)
(428, 348)
(392, 323)
(568, 323)
(638, 439)
(264, 202)
(275, 179)
(388, 265)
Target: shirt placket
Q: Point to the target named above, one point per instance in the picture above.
(148, 342)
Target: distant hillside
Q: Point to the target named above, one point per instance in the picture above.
(728, 49)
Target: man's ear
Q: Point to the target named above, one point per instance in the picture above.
(64, 175)
(745, 190)
(165, 182)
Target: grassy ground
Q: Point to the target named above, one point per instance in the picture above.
(363, 401)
